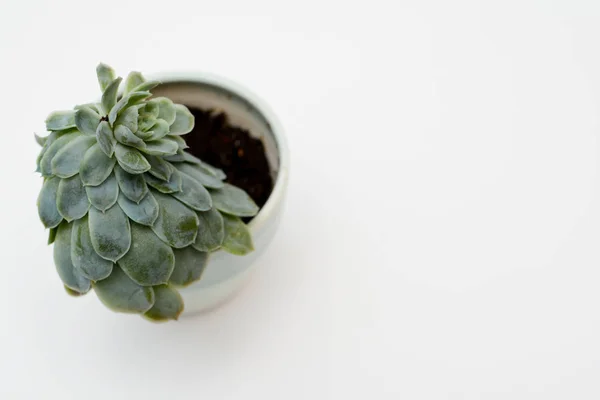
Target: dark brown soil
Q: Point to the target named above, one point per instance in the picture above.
(232, 149)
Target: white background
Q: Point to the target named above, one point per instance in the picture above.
(441, 237)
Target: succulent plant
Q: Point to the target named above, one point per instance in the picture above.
(130, 212)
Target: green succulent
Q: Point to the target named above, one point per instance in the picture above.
(130, 212)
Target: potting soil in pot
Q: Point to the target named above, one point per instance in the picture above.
(232, 149)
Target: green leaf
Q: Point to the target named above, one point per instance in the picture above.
(234, 201)
(40, 140)
(133, 80)
(159, 130)
(176, 224)
(189, 265)
(87, 120)
(131, 160)
(160, 168)
(126, 137)
(71, 199)
(105, 195)
(184, 121)
(83, 255)
(95, 166)
(106, 138)
(171, 186)
(166, 109)
(145, 213)
(109, 97)
(180, 142)
(110, 232)
(71, 276)
(209, 169)
(129, 119)
(200, 174)
(162, 147)
(193, 194)
(177, 157)
(119, 293)
(46, 202)
(72, 293)
(145, 122)
(149, 262)
(105, 75)
(211, 231)
(59, 120)
(127, 101)
(67, 161)
(146, 86)
(52, 235)
(93, 106)
(238, 240)
(132, 186)
(152, 108)
(55, 147)
(168, 305)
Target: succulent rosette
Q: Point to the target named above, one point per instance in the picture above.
(131, 213)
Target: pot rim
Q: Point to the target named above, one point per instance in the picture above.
(281, 182)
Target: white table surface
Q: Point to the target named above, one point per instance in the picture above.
(441, 238)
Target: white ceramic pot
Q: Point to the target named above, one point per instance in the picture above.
(225, 273)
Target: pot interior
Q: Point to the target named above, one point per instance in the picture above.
(240, 112)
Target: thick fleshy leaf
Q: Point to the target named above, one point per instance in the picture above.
(71, 276)
(209, 169)
(198, 173)
(162, 147)
(145, 122)
(124, 135)
(87, 120)
(119, 293)
(131, 160)
(132, 186)
(128, 118)
(71, 199)
(83, 255)
(52, 235)
(152, 108)
(59, 120)
(106, 138)
(166, 109)
(150, 261)
(176, 224)
(40, 140)
(48, 140)
(67, 161)
(96, 166)
(109, 96)
(144, 213)
(47, 203)
(110, 232)
(159, 130)
(171, 186)
(127, 101)
(189, 265)
(168, 304)
(93, 106)
(55, 147)
(160, 168)
(238, 240)
(193, 194)
(72, 293)
(184, 121)
(177, 157)
(105, 75)
(133, 80)
(105, 195)
(180, 142)
(234, 201)
(211, 231)
(146, 86)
